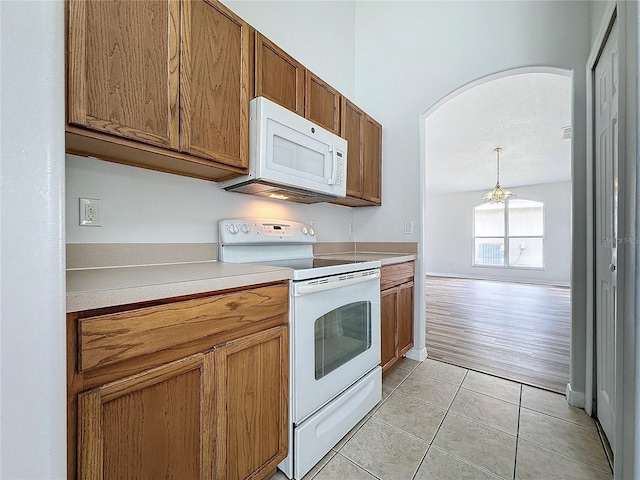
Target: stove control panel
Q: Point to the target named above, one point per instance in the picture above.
(264, 231)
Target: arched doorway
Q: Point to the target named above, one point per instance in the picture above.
(526, 112)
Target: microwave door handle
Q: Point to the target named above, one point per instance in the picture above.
(334, 174)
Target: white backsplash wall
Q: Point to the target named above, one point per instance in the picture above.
(144, 206)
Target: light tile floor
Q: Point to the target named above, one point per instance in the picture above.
(438, 422)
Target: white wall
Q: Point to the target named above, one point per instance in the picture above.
(143, 206)
(450, 242)
(409, 55)
(319, 34)
(32, 345)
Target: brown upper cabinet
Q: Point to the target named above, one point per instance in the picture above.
(322, 103)
(282, 79)
(279, 76)
(162, 84)
(372, 161)
(364, 156)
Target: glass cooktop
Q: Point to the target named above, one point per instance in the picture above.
(305, 268)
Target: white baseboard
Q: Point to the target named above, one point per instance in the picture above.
(419, 354)
(493, 279)
(574, 397)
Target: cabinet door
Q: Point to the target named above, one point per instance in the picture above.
(214, 83)
(352, 128)
(252, 405)
(322, 103)
(388, 309)
(405, 318)
(372, 161)
(123, 69)
(279, 77)
(157, 424)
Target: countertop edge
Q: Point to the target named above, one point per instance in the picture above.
(104, 298)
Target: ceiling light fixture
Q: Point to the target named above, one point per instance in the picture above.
(497, 195)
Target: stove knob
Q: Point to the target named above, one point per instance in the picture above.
(233, 229)
(305, 230)
(245, 228)
(312, 232)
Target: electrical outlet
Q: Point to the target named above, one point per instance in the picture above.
(313, 223)
(408, 227)
(90, 212)
(352, 229)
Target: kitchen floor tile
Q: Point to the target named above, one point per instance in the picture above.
(411, 415)
(565, 438)
(407, 363)
(385, 451)
(318, 466)
(394, 377)
(442, 371)
(493, 386)
(439, 465)
(534, 462)
(351, 433)
(340, 467)
(429, 389)
(476, 426)
(486, 447)
(487, 410)
(555, 405)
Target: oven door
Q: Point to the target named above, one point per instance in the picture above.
(336, 336)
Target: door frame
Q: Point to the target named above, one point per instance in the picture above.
(626, 298)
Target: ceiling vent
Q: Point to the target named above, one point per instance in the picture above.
(566, 133)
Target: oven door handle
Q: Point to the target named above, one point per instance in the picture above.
(322, 287)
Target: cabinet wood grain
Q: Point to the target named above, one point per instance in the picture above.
(214, 83)
(388, 309)
(279, 76)
(372, 161)
(396, 312)
(405, 318)
(194, 388)
(322, 103)
(253, 374)
(364, 157)
(158, 424)
(352, 130)
(111, 338)
(123, 69)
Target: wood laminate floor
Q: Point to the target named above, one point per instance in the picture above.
(517, 331)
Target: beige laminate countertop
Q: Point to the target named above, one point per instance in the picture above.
(385, 258)
(107, 287)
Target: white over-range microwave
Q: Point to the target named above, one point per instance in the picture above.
(291, 158)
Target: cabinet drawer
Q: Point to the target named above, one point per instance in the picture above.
(392, 275)
(111, 338)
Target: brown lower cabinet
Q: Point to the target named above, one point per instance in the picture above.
(396, 312)
(187, 389)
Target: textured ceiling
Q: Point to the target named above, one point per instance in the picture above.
(524, 114)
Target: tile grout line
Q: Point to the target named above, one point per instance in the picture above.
(515, 458)
(439, 426)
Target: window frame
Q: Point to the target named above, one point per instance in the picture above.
(506, 237)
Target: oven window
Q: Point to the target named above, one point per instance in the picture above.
(341, 335)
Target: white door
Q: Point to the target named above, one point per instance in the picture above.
(606, 229)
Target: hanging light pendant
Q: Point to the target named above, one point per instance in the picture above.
(497, 195)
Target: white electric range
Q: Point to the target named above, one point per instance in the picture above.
(334, 319)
